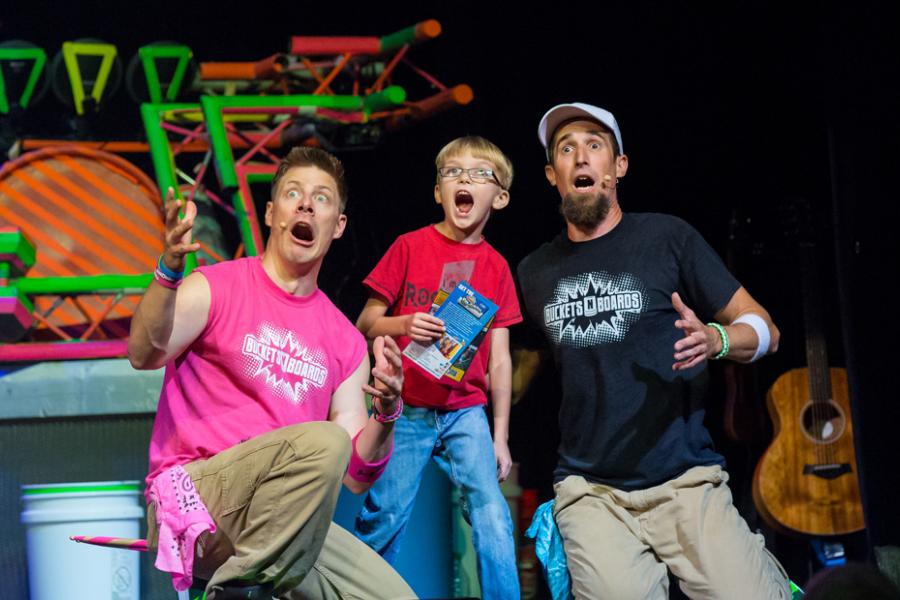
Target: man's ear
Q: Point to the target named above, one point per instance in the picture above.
(339, 227)
(621, 165)
(268, 219)
(550, 174)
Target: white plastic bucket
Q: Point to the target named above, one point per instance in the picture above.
(61, 568)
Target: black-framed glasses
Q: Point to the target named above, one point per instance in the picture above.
(476, 174)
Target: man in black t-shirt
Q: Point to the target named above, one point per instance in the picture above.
(639, 487)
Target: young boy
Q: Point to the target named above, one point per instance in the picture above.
(445, 419)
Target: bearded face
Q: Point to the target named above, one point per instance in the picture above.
(585, 210)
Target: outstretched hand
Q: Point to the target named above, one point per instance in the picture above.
(178, 231)
(388, 373)
(699, 341)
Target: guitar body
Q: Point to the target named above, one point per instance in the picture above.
(806, 482)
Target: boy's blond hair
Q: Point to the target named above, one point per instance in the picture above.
(482, 148)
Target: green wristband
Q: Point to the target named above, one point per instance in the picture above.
(723, 335)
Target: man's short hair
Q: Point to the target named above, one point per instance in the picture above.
(482, 148)
(307, 156)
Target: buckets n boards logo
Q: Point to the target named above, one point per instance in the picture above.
(593, 308)
(288, 367)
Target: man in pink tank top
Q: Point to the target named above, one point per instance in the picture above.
(262, 413)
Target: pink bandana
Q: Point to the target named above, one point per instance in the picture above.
(181, 518)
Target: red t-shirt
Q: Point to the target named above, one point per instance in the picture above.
(415, 267)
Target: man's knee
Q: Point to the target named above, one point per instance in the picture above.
(328, 444)
(606, 581)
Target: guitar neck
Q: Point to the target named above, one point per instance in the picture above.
(813, 318)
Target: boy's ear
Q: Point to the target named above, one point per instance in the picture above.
(500, 200)
(268, 213)
(437, 193)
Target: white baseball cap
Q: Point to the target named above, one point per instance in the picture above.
(566, 112)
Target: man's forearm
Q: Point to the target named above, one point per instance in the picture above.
(373, 444)
(744, 340)
(375, 440)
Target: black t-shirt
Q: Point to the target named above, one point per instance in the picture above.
(626, 418)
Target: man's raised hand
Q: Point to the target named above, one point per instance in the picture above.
(388, 373)
(178, 231)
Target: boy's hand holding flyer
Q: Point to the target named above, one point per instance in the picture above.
(466, 315)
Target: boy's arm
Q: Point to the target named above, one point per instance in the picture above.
(348, 405)
(420, 327)
(500, 371)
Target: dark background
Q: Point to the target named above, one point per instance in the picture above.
(729, 112)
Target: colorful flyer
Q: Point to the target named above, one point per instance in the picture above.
(467, 316)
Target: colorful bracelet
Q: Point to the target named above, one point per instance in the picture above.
(168, 273)
(363, 470)
(165, 281)
(723, 335)
(383, 418)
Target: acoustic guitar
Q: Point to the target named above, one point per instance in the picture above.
(806, 482)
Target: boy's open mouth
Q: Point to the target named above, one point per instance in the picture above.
(302, 231)
(584, 183)
(464, 201)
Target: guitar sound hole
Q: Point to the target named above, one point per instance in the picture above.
(823, 422)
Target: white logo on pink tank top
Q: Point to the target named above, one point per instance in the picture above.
(286, 365)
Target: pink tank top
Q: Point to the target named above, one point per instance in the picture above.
(266, 359)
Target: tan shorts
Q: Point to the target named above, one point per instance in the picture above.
(619, 544)
(272, 498)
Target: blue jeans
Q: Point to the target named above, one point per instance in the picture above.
(460, 443)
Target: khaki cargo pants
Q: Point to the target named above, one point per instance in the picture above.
(619, 544)
(272, 498)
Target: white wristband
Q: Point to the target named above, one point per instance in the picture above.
(762, 332)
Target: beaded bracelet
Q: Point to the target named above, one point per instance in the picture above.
(383, 418)
(723, 335)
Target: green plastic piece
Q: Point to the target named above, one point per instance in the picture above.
(386, 99)
(796, 592)
(150, 54)
(74, 489)
(40, 59)
(212, 106)
(71, 51)
(394, 41)
(15, 243)
(163, 160)
(87, 284)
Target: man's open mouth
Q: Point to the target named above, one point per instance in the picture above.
(302, 232)
(584, 183)
(464, 201)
